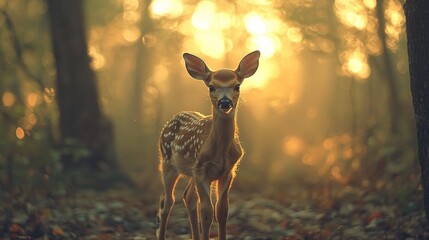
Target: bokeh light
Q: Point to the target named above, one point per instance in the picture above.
(8, 99)
(166, 8)
(19, 133)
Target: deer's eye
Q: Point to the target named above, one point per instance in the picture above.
(211, 88)
(237, 88)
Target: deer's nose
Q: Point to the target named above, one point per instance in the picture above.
(225, 104)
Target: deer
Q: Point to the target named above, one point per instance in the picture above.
(204, 149)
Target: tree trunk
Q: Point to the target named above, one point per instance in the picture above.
(80, 117)
(389, 71)
(417, 15)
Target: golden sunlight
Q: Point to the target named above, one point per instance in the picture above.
(294, 34)
(131, 5)
(371, 4)
(263, 75)
(357, 65)
(204, 15)
(255, 24)
(98, 60)
(267, 44)
(352, 13)
(293, 146)
(395, 24)
(32, 99)
(8, 99)
(131, 33)
(166, 8)
(211, 43)
(19, 133)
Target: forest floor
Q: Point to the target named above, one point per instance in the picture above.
(350, 213)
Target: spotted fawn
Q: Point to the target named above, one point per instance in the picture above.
(204, 149)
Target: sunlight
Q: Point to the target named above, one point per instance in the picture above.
(131, 34)
(352, 13)
(293, 146)
(211, 43)
(131, 5)
(8, 99)
(395, 24)
(356, 65)
(166, 8)
(32, 99)
(371, 4)
(263, 76)
(204, 15)
(130, 17)
(19, 133)
(97, 59)
(255, 24)
(395, 17)
(267, 44)
(294, 34)
(225, 20)
(160, 78)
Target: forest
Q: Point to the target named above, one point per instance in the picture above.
(334, 123)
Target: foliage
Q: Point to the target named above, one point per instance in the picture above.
(318, 114)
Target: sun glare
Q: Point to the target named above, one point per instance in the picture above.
(255, 24)
(352, 13)
(166, 8)
(357, 65)
(204, 15)
(267, 44)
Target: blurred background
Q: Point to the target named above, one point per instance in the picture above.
(329, 106)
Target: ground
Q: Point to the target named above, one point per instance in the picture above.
(353, 213)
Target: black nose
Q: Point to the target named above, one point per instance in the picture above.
(224, 103)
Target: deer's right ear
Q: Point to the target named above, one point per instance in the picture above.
(196, 67)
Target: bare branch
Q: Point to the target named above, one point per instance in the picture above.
(18, 50)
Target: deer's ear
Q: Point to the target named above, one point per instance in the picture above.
(248, 65)
(196, 67)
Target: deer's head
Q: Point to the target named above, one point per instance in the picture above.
(223, 84)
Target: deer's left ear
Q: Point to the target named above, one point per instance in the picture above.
(248, 65)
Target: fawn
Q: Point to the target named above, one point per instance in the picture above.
(204, 148)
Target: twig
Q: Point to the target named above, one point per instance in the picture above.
(18, 50)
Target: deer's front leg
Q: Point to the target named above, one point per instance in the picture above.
(222, 204)
(206, 206)
(191, 201)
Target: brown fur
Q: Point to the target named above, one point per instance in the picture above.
(205, 149)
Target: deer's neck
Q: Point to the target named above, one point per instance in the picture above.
(223, 131)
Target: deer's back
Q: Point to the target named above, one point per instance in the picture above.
(182, 138)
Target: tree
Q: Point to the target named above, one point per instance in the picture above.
(417, 17)
(80, 117)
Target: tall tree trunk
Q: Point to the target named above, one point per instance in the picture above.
(417, 15)
(389, 70)
(141, 70)
(80, 116)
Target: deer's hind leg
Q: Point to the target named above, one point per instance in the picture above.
(169, 178)
(190, 199)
